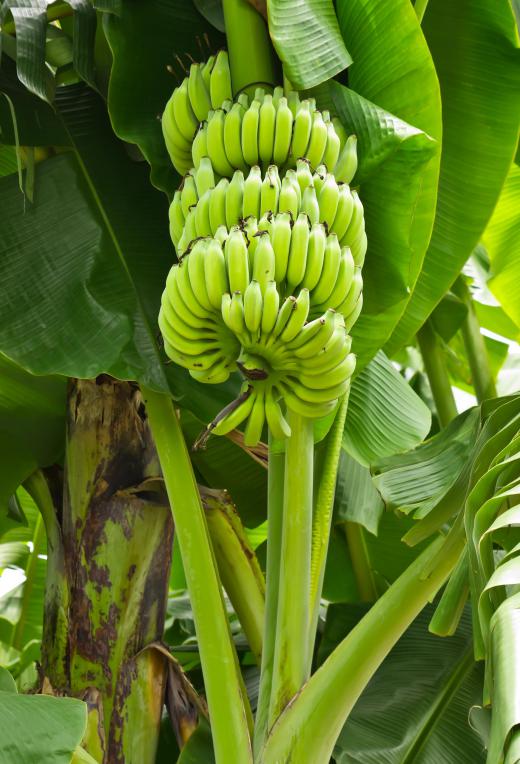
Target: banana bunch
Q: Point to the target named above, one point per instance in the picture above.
(224, 309)
(207, 87)
(201, 206)
(268, 131)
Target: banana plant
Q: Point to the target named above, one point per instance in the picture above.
(292, 203)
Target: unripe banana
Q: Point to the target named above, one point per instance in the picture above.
(233, 136)
(343, 283)
(250, 125)
(318, 178)
(344, 211)
(315, 256)
(204, 176)
(237, 261)
(221, 235)
(266, 130)
(276, 421)
(202, 220)
(216, 374)
(198, 94)
(252, 193)
(298, 252)
(346, 166)
(293, 102)
(302, 131)
(298, 317)
(234, 414)
(353, 236)
(281, 240)
(303, 408)
(303, 174)
(350, 301)
(329, 200)
(309, 331)
(235, 199)
(185, 119)
(255, 422)
(220, 81)
(206, 71)
(187, 329)
(277, 94)
(187, 294)
(319, 339)
(176, 217)
(270, 191)
(288, 200)
(264, 262)
(332, 149)
(189, 195)
(243, 100)
(189, 233)
(340, 132)
(216, 147)
(217, 205)
(351, 319)
(199, 148)
(329, 272)
(310, 205)
(283, 317)
(250, 229)
(195, 261)
(215, 274)
(253, 306)
(318, 140)
(178, 147)
(271, 303)
(236, 313)
(282, 132)
(336, 376)
(292, 177)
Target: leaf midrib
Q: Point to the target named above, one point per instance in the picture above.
(446, 694)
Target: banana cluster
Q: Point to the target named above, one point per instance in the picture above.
(273, 129)
(207, 87)
(202, 205)
(224, 309)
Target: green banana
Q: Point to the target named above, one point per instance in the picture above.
(282, 132)
(347, 163)
(202, 221)
(349, 302)
(198, 94)
(344, 211)
(250, 125)
(195, 261)
(252, 193)
(335, 376)
(217, 205)
(332, 149)
(264, 262)
(283, 317)
(189, 195)
(216, 147)
(298, 251)
(351, 319)
(220, 81)
(354, 235)
(233, 136)
(253, 306)
(176, 218)
(266, 130)
(276, 421)
(255, 422)
(206, 71)
(315, 256)
(186, 121)
(271, 303)
(303, 175)
(301, 131)
(329, 272)
(199, 147)
(235, 199)
(288, 199)
(319, 339)
(303, 408)
(329, 200)
(204, 176)
(310, 205)
(233, 415)
(281, 241)
(215, 274)
(343, 283)
(270, 191)
(237, 260)
(318, 140)
(298, 317)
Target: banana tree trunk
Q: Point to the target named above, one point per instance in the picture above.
(109, 555)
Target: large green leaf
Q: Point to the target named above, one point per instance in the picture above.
(384, 415)
(502, 241)
(32, 424)
(40, 729)
(166, 34)
(393, 68)
(357, 499)
(301, 32)
(415, 710)
(481, 114)
(395, 161)
(84, 268)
